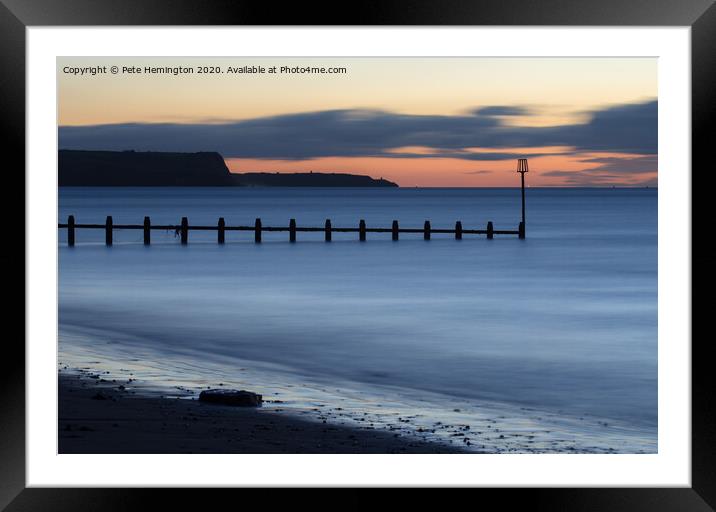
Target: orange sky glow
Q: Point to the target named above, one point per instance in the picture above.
(441, 172)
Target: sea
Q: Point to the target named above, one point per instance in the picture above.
(541, 345)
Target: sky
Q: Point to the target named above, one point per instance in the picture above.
(428, 122)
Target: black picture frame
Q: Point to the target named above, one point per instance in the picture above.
(16, 15)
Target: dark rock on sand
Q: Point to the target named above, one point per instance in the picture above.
(231, 397)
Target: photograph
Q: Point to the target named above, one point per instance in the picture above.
(351, 255)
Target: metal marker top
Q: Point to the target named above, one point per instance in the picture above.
(522, 165)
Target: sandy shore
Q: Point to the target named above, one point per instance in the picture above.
(97, 416)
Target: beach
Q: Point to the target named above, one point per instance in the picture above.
(98, 416)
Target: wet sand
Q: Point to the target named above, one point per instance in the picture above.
(97, 416)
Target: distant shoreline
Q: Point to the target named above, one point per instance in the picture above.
(204, 169)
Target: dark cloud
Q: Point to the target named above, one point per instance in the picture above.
(634, 165)
(625, 128)
(628, 128)
(612, 171)
(467, 155)
(501, 110)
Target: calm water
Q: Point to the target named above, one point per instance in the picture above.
(564, 322)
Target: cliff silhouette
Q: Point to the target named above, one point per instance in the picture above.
(141, 169)
(77, 168)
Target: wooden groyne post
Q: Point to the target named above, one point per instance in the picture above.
(328, 230)
(361, 230)
(184, 230)
(395, 230)
(426, 230)
(108, 231)
(71, 230)
(147, 231)
(458, 230)
(221, 231)
(292, 230)
(257, 231)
